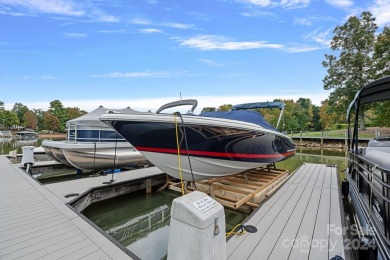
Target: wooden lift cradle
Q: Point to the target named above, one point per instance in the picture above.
(248, 188)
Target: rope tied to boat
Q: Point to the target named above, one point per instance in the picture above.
(184, 136)
(178, 156)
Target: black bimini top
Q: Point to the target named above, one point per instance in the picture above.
(241, 115)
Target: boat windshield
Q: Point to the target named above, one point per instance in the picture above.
(241, 115)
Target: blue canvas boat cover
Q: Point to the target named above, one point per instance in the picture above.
(241, 115)
(279, 105)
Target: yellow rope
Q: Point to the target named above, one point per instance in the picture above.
(234, 233)
(178, 156)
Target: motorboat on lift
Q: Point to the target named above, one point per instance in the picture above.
(368, 176)
(196, 147)
(92, 145)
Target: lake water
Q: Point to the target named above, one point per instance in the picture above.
(9, 144)
(141, 222)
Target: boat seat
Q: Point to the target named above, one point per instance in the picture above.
(379, 144)
(379, 158)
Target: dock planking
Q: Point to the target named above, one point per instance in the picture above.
(61, 189)
(298, 222)
(36, 223)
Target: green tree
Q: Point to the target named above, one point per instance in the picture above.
(51, 122)
(30, 120)
(73, 112)
(382, 53)
(382, 113)
(208, 109)
(57, 109)
(353, 68)
(225, 107)
(316, 125)
(328, 116)
(10, 119)
(20, 110)
(304, 113)
(39, 114)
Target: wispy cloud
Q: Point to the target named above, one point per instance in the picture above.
(295, 48)
(58, 7)
(287, 4)
(75, 35)
(213, 42)
(293, 4)
(322, 37)
(63, 7)
(142, 21)
(381, 10)
(340, 3)
(149, 31)
(258, 13)
(262, 3)
(220, 43)
(142, 74)
(303, 21)
(211, 63)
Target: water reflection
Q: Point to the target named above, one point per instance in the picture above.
(8, 144)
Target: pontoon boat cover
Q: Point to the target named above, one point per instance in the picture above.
(377, 90)
(92, 118)
(241, 115)
(279, 105)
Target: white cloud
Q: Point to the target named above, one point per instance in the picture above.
(292, 4)
(63, 7)
(219, 43)
(303, 21)
(211, 63)
(147, 31)
(141, 21)
(212, 42)
(340, 3)
(258, 13)
(381, 11)
(295, 48)
(58, 7)
(75, 35)
(142, 74)
(322, 37)
(261, 3)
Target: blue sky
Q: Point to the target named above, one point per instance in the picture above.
(143, 53)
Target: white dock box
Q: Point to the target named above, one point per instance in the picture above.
(197, 229)
(28, 155)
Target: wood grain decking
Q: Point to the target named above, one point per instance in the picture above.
(36, 224)
(300, 221)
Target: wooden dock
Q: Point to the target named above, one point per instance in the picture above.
(302, 220)
(36, 223)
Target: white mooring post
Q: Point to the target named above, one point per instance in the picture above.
(197, 229)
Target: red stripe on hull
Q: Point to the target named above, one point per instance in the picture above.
(215, 154)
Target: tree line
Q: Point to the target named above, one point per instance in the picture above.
(360, 55)
(54, 119)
